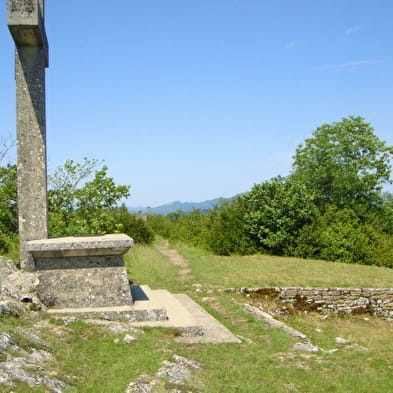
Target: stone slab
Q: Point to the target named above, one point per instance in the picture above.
(119, 313)
(75, 246)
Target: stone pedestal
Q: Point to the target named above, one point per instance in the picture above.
(77, 272)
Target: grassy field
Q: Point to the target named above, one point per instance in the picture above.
(146, 265)
(263, 363)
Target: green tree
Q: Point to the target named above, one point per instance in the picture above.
(77, 208)
(276, 211)
(345, 164)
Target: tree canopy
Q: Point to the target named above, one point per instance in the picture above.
(344, 163)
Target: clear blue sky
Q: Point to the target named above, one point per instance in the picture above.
(192, 100)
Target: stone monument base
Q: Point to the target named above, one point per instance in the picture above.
(78, 272)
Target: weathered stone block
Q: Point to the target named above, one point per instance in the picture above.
(77, 272)
(84, 287)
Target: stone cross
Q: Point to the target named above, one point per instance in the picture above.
(26, 24)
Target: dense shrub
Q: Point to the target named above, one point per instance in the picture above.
(132, 226)
(227, 232)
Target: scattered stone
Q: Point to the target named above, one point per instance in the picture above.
(17, 290)
(116, 341)
(358, 347)
(6, 341)
(25, 367)
(179, 371)
(318, 330)
(331, 351)
(144, 384)
(11, 307)
(174, 373)
(128, 339)
(306, 346)
(343, 341)
(273, 323)
(245, 339)
(40, 356)
(32, 337)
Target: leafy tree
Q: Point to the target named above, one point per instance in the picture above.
(276, 211)
(64, 182)
(76, 209)
(345, 164)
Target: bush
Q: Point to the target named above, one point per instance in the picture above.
(226, 232)
(132, 226)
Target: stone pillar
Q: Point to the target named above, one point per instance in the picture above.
(26, 24)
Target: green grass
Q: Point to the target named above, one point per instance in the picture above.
(263, 270)
(145, 265)
(263, 363)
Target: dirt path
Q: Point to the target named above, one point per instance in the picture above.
(176, 259)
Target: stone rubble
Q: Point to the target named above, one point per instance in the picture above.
(17, 290)
(128, 339)
(176, 373)
(16, 364)
(306, 346)
(19, 365)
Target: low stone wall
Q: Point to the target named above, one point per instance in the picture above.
(375, 301)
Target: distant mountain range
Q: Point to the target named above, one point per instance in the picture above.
(186, 207)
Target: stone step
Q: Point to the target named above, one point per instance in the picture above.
(147, 307)
(160, 308)
(178, 316)
(116, 313)
(195, 325)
